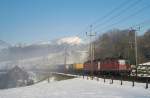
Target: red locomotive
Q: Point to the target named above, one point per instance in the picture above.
(108, 66)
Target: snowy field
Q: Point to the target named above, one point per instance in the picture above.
(78, 88)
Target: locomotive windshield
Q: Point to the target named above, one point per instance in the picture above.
(123, 62)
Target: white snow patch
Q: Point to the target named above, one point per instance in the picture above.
(147, 63)
(76, 88)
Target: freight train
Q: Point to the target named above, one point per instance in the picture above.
(108, 66)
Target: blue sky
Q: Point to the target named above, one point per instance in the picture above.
(30, 21)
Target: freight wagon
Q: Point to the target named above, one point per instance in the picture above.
(78, 68)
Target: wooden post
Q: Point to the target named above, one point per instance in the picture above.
(48, 80)
(147, 83)
(92, 77)
(83, 73)
(112, 80)
(133, 81)
(104, 78)
(121, 80)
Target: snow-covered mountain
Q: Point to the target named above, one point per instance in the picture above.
(70, 40)
(45, 53)
(4, 44)
(73, 40)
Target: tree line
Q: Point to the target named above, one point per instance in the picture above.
(121, 44)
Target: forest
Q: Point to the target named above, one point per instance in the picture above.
(121, 44)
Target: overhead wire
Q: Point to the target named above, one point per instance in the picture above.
(110, 12)
(129, 6)
(142, 23)
(107, 15)
(126, 18)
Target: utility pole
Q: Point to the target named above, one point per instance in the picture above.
(130, 47)
(93, 50)
(136, 52)
(91, 34)
(136, 63)
(65, 61)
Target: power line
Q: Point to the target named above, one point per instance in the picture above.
(110, 12)
(134, 14)
(142, 23)
(119, 13)
(125, 3)
(128, 17)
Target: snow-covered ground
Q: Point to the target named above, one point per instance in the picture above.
(78, 88)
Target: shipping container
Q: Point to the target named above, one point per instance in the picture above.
(78, 66)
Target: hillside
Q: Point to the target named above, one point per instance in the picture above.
(77, 88)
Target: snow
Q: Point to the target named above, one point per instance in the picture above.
(65, 74)
(147, 63)
(74, 40)
(78, 88)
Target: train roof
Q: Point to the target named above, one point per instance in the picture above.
(105, 59)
